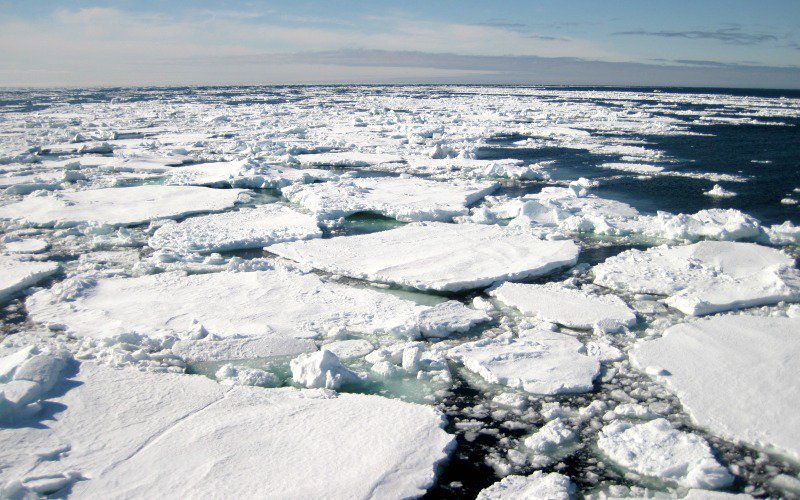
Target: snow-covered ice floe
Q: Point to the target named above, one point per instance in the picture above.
(353, 159)
(538, 361)
(706, 277)
(539, 485)
(435, 256)
(244, 174)
(404, 198)
(226, 304)
(657, 450)
(119, 206)
(735, 375)
(17, 275)
(192, 437)
(571, 307)
(31, 245)
(246, 228)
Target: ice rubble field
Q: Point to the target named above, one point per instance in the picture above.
(336, 292)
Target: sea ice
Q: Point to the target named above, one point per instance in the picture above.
(244, 174)
(119, 206)
(539, 362)
(17, 275)
(736, 376)
(706, 277)
(321, 370)
(656, 449)
(719, 192)
(353, 159)
(571, 307)
(539, 485)
(31, 245)
(435, 256)
(245, 228)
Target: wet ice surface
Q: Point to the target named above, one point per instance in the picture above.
(391, 292)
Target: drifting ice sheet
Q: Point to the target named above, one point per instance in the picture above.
(119, 206)
(539, 362)
(706, 277)
(435, 256)
(570, 307)
(246, 228)
(227, 304)
(17, 275)
(404, 198)
(736, 375)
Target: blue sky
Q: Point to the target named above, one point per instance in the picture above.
(631, 42)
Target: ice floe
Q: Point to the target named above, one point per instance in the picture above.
(539, 485)
(435, 256)
(17, 275)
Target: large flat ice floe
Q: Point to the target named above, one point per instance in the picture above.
(404, 198)
(570, 307)
(539, 362)
(246, 228)
(244, 174)
(119, 206)
(706, 277)
(658, 450)
(435, 256)
(192, 437)
(735, 375)
(226, 304)
(17, 275)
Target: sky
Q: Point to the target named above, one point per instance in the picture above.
(717, 43)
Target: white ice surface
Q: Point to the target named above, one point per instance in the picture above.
(119, 206)
(31, 245)
(539, 362)
(245, 228)
(435, 256)
(244, 174)
(570, 307)
(321, 370)
(735, 375)
(255, 303)
(404, 198)
(17, 275)
(706, 277)
(656, 449)
(537, 486)
(194, 438)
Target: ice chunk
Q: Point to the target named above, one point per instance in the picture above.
(435, 256)
(656, 449)
(540, 362)
(258, 303)
(570, 307)
(404, 198)
(246, 228)
(636, 168)
(17, 275)
(230, 374)
(735, 375)
(554, 441)
(353, 159)
(719, 192)
(27, 246)
(321, 369)
(244, 174)
(705, 277)
(119, 206)
(220, 349)
(539, 485)
(349, 349)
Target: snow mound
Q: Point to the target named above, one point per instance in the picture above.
(719, 192)
(735, 375)
(656, 449)
(555, 303)
(119, 206)
(539, 362)
(435, 256)
(706, 277)
(246, 228)
(26, 377)
(321, 370)
(539, 485)
(17, 275)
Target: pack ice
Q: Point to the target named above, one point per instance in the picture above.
(245, 228)
(243, 174)
(257, 303)
(736, 376)
(538, 361)
(119, 206)
(193, 437)
(706, 277)
(435, 256)
(17, 275)
(404, 198)
(549, 486)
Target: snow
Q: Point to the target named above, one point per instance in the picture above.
(719, 192)
(435, 256)
(735, 375)
(245, 228)
(321, 369)
(119, 206)
(404, 198)
(539, 485)
(656, 449)
(539, 362)
(570, 307)
(17, 275)
(31, 245)
(26, 376)
(194, 438)
(706, 277)
(271, 302)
